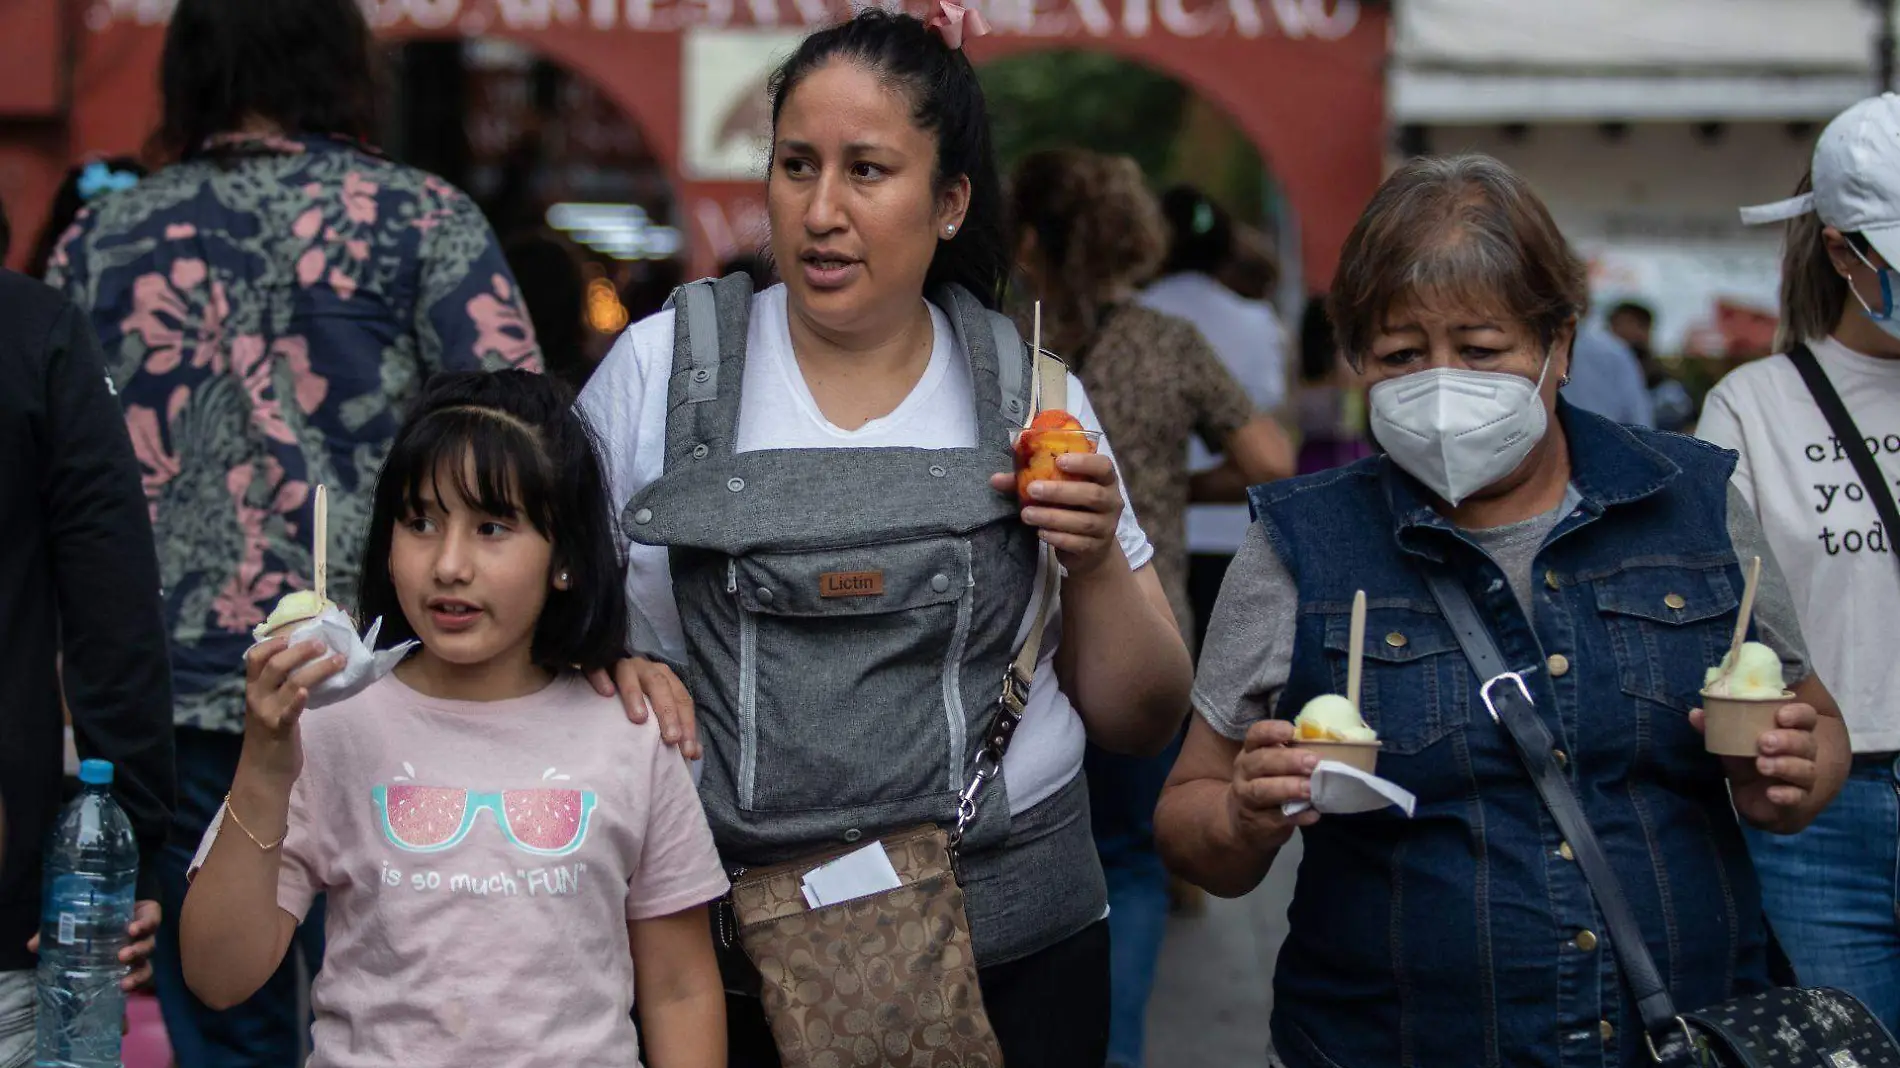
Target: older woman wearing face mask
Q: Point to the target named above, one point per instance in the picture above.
(1603, 563)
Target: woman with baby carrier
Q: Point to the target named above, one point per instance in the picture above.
(895, 652)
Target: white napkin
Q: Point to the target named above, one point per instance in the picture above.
(1340, 790)
(361, 666)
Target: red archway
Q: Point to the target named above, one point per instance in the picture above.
(1304, 79)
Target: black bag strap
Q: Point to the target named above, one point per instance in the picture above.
(1871, 480)
(1509, 701)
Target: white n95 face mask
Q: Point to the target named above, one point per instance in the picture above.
(1457, 430)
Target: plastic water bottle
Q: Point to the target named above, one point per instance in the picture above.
(92, 866)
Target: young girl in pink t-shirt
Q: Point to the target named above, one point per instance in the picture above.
(502, 850)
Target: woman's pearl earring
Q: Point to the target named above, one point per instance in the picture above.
(562, 580)
(951, 230)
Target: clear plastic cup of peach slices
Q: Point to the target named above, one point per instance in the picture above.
(1051, 434)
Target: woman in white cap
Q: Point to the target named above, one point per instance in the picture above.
(1818, 430)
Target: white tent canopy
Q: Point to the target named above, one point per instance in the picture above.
(1461, 61)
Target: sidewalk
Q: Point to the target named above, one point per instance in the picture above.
(1214, 986)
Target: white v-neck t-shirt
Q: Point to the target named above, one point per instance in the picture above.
(625, 402)
(1838, 559)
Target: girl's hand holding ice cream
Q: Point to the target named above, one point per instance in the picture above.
(278, 677)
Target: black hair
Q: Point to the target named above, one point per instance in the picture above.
(947, 100)
(82, 185)
(1202, 233)
(548, 274)
(6, 232)
(754, 265)
(306, 65)
(652, 282)
(515, 445)
(1319, 349)
(1641, 312)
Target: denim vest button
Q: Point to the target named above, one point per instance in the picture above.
(1395, 640)
(765, 595)
(735, 484)
(1562, 758)
(1675, 601)
(1558, 664)
(701, 375)
(643, 516)
(939, 583)
(1608, 1032)
(1550, 579)
(937, 471)
(853, 835)
(1564, 851)
(700, 452)
(1585, 940)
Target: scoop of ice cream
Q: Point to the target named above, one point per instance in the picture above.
(295, 607)
(1331, 718)
(363, 663)
(1757, 673)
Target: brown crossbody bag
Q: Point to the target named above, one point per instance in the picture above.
(890, 978)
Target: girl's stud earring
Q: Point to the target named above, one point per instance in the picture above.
(951, 229)
(563, 578)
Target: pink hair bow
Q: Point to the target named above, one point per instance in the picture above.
(953, 20)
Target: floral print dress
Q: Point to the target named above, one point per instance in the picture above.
(267, 309)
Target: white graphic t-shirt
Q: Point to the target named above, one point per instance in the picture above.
(1838, 558)
(482, 861)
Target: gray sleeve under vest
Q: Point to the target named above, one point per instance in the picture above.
(1249, 650)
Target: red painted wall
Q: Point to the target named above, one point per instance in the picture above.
(1314, 106)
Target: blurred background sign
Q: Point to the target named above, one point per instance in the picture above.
(726, 122)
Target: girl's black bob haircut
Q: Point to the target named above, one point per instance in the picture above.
(514, 446)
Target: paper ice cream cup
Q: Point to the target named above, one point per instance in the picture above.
(1733, 726)
(1360, 756)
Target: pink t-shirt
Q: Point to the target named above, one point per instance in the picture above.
(481, 862)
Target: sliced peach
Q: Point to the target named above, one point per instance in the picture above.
(1051, 434)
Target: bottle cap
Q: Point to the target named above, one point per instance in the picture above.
(95, 772)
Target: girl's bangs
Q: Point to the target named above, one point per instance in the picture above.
(493, 464)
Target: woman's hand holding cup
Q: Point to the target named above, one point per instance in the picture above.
(1268, 773)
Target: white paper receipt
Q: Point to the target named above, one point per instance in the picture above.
(860, 874)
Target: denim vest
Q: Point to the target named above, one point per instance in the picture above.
(1466, 935)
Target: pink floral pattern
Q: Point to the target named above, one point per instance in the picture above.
(503, 329)
(260, 317)
(178, 317)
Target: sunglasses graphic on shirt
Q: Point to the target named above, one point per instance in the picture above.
(429, 819)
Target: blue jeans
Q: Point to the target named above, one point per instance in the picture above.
(264, 1032)
(1123, 792)
(1833, 890)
